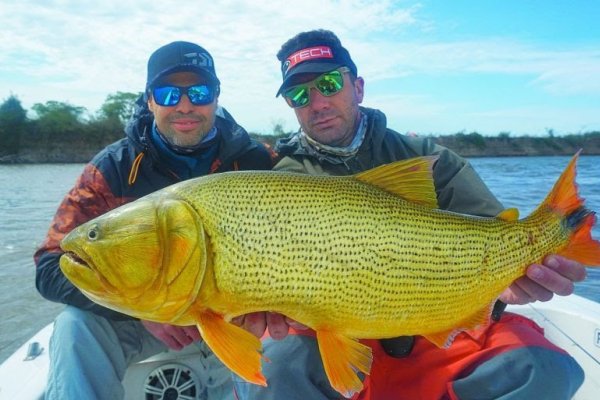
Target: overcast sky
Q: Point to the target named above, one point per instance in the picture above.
(440, 67)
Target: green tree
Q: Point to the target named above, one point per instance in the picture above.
(119, 106)
(59, 115)
(504, 136)
(13, 120)
(58, 118)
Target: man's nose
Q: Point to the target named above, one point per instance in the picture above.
(184, 105)
(317, 100)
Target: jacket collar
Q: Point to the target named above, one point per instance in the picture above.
(233, 140)
(297, 144)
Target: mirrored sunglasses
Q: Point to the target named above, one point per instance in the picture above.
(328, 84)
(168, 96)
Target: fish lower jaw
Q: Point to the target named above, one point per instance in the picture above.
(76, 260)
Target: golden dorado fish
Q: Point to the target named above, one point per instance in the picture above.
(355, 257)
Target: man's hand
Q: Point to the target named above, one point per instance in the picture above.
(175, 337)
(556, 275)
(257, 323)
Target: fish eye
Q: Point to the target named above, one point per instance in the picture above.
(93, 233)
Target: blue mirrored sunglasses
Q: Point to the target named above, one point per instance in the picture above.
(169, 96)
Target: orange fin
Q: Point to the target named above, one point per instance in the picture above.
(581, 247)
(563, 198)
(410, 179)
(342, 358)
(510, 215)
(237, 348)
(445, 338)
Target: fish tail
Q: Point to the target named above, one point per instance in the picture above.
(565, 201)
(564, 197)
(581, 247)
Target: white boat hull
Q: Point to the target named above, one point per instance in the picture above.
(572, 322)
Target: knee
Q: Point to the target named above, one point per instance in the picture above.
(529, 372)
(73, 318)
(554, 374)
(73, 326)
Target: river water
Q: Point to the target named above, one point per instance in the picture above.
(30, 194)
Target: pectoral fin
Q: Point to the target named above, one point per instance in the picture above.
(343, 358)
(238, 349)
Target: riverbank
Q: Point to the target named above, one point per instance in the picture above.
(479, 146)
(467, 145)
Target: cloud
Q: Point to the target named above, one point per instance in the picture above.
(81, 51)
(557, 71)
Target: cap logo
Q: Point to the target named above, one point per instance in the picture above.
(199, 59)
(307, 54)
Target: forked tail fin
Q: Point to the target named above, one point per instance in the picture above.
(581, 246)
(564, 200)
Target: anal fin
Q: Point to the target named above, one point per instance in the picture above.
(237, 348)
(445, 338)
(343, 358)
(509, 215)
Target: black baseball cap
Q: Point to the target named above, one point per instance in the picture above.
(314, 58)
(179, 57)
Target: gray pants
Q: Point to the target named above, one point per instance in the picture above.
(295, 372)
(89, 356)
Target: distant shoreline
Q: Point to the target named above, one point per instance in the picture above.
(478, 146)
(467, 145)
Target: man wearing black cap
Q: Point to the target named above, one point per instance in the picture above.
(508, 359)
(178, 132)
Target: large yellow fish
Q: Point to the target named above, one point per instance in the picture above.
(364, 256)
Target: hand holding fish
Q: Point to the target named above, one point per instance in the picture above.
(555, 275)
(175, 337)
(258, 322)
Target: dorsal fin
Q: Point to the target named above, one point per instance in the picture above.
(410, 179)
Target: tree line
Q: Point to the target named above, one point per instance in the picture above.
(54, 122)
(61, 127)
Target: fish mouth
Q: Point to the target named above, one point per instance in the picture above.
(77, 260)
(80, 270)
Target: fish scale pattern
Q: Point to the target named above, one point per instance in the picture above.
(336, 253)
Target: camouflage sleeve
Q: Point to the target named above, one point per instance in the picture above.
(89, 198)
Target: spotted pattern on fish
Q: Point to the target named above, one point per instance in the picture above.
(272, 248)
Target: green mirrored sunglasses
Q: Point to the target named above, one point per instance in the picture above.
(327, 84)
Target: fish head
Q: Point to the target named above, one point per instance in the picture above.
(145, 259)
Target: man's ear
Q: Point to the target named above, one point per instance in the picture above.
(359, 89)
(151, 103)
